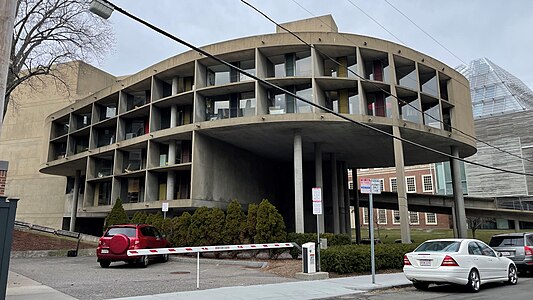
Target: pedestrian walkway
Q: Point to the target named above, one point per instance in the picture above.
(22, 288)
(290, 290)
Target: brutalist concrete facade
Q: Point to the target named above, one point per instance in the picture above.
(192, 132)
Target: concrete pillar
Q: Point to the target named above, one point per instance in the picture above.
(319, 182)
(298, 184)
(400, 183)
(347, 214)
(171, 175)
(459, 201)
(175, 84)
(454, 222)
(173, 115)
(516, 225)
(335, 194)
(7, 19)
(356, 207)
(342, 211)
(74, 208)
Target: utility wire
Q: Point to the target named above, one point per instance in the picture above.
(389, 93)
(216, 58)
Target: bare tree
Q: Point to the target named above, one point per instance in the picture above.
(475, 223)
(50, 32)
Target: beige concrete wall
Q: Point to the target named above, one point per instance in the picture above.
(24, 137)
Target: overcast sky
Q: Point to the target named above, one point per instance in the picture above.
(499, 30)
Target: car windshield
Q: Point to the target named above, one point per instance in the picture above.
(127, 231)
(439, 246)
(506, 241)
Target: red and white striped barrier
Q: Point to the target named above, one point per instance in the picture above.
(159, 251)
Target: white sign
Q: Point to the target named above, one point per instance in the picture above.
(376, 186)
(365, 185)
(317, 200)
(164, 206)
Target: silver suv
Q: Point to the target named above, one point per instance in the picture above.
(516, 246)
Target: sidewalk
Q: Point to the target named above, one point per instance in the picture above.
(315, 289)
(22, 288)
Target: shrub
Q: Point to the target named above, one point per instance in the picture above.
(302, 238)
(156, 220)
(139, 218)
(234, 228)
(180, 229)
(215, 226)
(270, 226)
(251, 222)
(117, 215)
(356, 258)
(197, 233)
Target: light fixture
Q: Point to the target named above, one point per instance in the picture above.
(101, 8)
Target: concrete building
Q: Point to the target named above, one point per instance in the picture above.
(193, 132)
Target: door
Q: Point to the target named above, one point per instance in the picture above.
(479, 260)
(496, 267)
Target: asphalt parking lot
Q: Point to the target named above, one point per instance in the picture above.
(83, 278)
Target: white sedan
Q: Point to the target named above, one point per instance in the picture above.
(461, 261)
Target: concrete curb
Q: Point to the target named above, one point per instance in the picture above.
(50, 253)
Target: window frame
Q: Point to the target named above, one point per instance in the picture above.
(379, 216)
(417, 218)
(366, 217)
(424, 183)
(394, 217)
(431, 223)
(395, 184)
(407, 184)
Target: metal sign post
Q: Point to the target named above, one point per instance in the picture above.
(371, 186)
(317, 210)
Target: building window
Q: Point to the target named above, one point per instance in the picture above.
(431, 218)
(393, 185)
(411, 184)
(382, 216)
(382, 184)
(413, 218)
(427, 183)
(350, 185)
(365, 215)
(395, 217)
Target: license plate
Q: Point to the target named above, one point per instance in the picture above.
(505, 253)
(425, 262)
(105, 251)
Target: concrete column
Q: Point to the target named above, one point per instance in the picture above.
(454, 222)
(342, 208)
(74, 208)
(335, 194)
(400, 183)
(7, 19)
(516, 225)
(356, 207)
(171, 175)
(319, 182)
(298, 184)
(347, 214)
(459, 201)
(173, 115)
(175, 85)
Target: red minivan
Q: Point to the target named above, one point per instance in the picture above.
(117, 239)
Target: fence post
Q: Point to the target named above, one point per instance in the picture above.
(7, 220)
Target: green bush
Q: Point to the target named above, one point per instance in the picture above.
(234, 228)
(251, 222)
(215, 226)
(302, 238)
(139, 218)
(356, 258)
(270, 225)
(117, 215)
(180, 230)
(197, 233)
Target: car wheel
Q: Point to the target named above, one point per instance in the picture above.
(164, 258)
(143, 261)
(473, 281)
(513, 276)
(105, 263)
(421, 285)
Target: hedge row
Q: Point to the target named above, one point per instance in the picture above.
(356, 258)
(302, 238)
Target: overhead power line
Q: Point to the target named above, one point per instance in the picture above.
(390, 94)
(216, 58)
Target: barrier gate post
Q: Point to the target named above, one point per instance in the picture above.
(7, 221)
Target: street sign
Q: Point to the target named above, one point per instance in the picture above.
(366, 185)
(164, 206)
(317, 200)
(376, 186)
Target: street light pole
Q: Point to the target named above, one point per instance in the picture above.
(7, 23)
